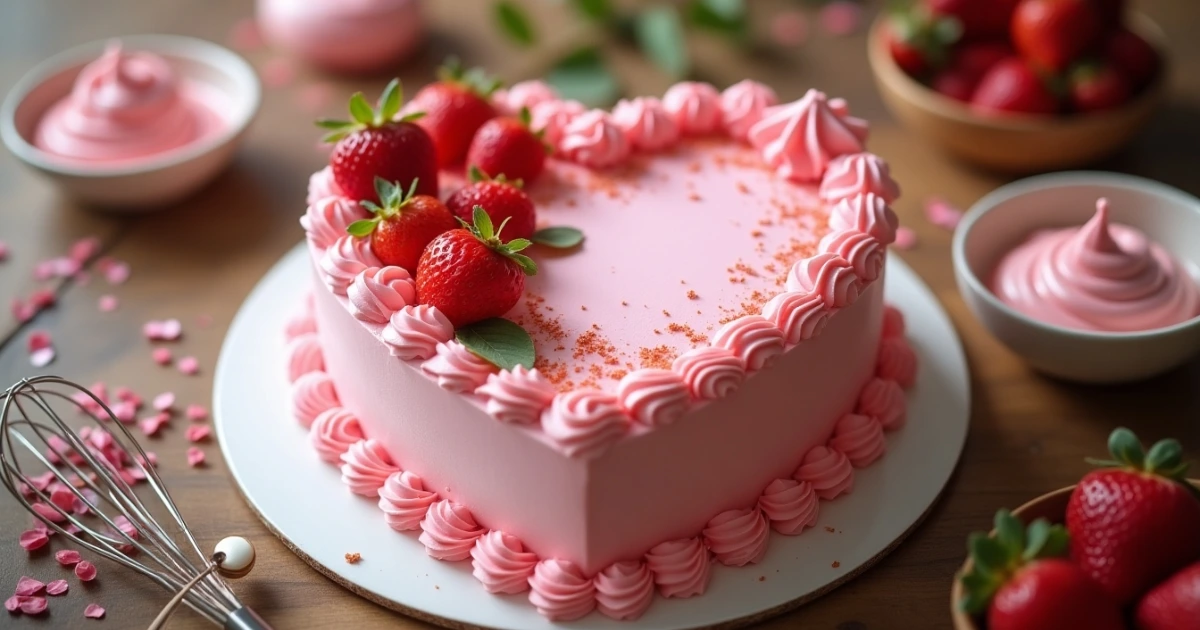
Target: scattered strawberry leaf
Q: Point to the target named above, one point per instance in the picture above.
(499, 342)
(514, 22)
(558, 237)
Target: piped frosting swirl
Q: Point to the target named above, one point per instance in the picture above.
(711, 372)
(304, 356)
(828, 471)
(884, 400)
(348, 256)
(413, 332)
(681, 567)
(366, 465)
(583, 423)
(695, 107)
(405, 501)
(897, 361)
(799, 314)
(326, 218)
(333, 433)
(624, 590)
(312, 393)
(552, 117)
(738, 537)
(801, 138)
(377, 292)
(790, 505)
(827, 275)
(753, 338)
(594, 140)
(855, 174)
(860, 438)
(518, 395)
(865, 213)
(449, 531)
(560, 591)
(522, 95)
(653, 397)
(457, 369)
(742, 106)
(322, 185)
(646, 124)
(865, 254)
(500, 562)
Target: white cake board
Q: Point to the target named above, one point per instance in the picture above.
(304, 502)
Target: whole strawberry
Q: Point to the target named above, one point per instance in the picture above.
(979, 20)
(471, 275)
(1136, 521)
(505, 202)
(373, 145)
(1173, 604)
(918, 42)
(1053, 34)
(1095, 87)
(1133, 55)
(976, 58)
(1012, 87)
(507, 146)
(455, 108)
(1019, 581)
(955, 83)
(403, 224)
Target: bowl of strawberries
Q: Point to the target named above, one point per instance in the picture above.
(1020, 86)
(1120, 550)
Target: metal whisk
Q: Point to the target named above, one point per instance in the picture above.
(99, 465)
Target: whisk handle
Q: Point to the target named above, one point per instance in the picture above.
(245, 618)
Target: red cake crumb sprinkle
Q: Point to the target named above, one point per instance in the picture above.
(692, 295)
(695, 196)
(539, 322)
(554, 371)
(666, 313)
(659, 357)
(743, 188)
(829, 529)
(657, 331)
(836, 564)
(756, 234)
(624, 303)
(353, 558)
(762, 578)
(687, 331)
(582, 307)
(695, 167)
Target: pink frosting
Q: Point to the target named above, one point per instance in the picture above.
(801, 138)
(695, 107)
(560, 591)
(738, 537)
(333, 433)
(525, 94)
(348, 257)
(868, 213)
(377, 292)
(860, 438)
(680, 567)
(653, 397)
(827, 275)
(799, 314)
(884, 400)
(790, 505)
(1101, 277)
(897, 361)
(304, 356)
(365, 466)
(753, 338)
(518, 395)
(646, 124)
(326, 219)
(449, 531)
(583, 423)
(864, 253)
(298, 326)
(322, 185)
(405, 501)
(312, 393)
(594, 140)
(413, 332)
(742, 106)
(551, 118)
(893, 322)
(457, 369)
(855, 174)
(710, 372)
(501, 563)
(828, 471)
(624, 590)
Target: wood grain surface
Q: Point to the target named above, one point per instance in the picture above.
(198, 261)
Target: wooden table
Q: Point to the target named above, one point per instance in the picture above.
(198, 261)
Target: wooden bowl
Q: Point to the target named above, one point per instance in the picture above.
(1017, 143)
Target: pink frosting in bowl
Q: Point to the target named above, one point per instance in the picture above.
(355, 36)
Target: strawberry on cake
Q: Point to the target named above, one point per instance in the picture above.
(594, 352)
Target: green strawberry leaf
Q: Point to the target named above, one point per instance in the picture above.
(499, 342)
(583, 76)
(360, 109)
(336, 125)
(659, 33)
(483, 223)
(1126, 448)
(362, 227)
(1010, 532)
(558, 237)
(390, 100)
(526, 263)
(596, 10)
(1057, 541)
(514, 23)
(990, 556)
(476, 174)
(517, 244)
(1164, 455)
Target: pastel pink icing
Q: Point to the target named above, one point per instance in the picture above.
(711, 372)
(344, 36)
(326, 219)
(522, 95)
(695, 107)
(653, 397)
(738, 537)
(790, 505)
(885, 401)
(1103, 277)
(348, 257)
(865, 212)
(413, 332)
(583, 422)
(799, 314)
(312, 393)
(366, 465)
(680, 567)
(298, 326)
(377, 292)
(742, 106)
(304, 356)
(594, 140)
(897, 361)
(322, 185)
(860, 438)
(457, 369)
(333, 433)
(827, 275)
(552, 117)
(560, 591)
(828, 471)
(752, 338)
(646, 123)
(518, 395)
(449, 531)
(801, 138)
(405, 501)
(624, 590)
(855, 174)
(865, 254)
(501, 563)
(893, 322)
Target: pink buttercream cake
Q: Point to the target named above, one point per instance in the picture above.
(713, 361)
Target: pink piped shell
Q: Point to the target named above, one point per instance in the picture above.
(738, 537)
(366, 465)
(560, 591)
(680, 567)
(885, 401)
(865, 254)
(333, 433)
(414, 332)
(583, 423)
(312, 394)
(346, 258)
(865, 213)
(624, 590)
(377, 292)
(304, 356)
(653, 397)
(827, 275)
(742, 106)
(695, 107)
(593, 140)
(711, 372)
(799, 314)
(860, 438)
(517, 396)
(500, 562)
(449, 531)
(753, 338)
(858, 173)
(801, 138)
(828, 471)
(457, 369)
(790, 505)
(646, 124)
(405, 501)
(897, 361)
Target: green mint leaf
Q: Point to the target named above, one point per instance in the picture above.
(361, 110)
(336, 125)
(389, 102)
(583, 76)
(659, 33)
(597, 10)
(526, 263)
(499, 342)
(558, 237)
(517, 244)
(362, 227)
(514, 23)
(482, 222)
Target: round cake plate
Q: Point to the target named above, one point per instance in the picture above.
(304, 502)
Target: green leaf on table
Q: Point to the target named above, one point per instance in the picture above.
(499, 342)
(598, 10)
(727, 9)
(558, 237)
(659, 33)
(514, 23)
(583, 76)
(727, 17)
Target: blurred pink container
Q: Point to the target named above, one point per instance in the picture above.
(350, 36)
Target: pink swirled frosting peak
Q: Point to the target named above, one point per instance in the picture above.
(681, 567)
(405, 501)
(1105, 277)
(326, 219)
(501, 563)
(855, 174)
(312, 394)
(304, 356)
(517, 396)
(551, 119)
(828, 471)
(893, 322)
(695, 106)
(457, 369)
(742, 106)
(865, 254)
(738, 537)
(865, 212)
(653, 397)
(897, 361)
(413, 332)
(645, 123)
(377, 292)
(583, 422)
(753, 338)
(322, 185)
(560, 591)
(344, 260)
(366, 465)
(624, 590)
(884, 400)
(449, 531)
(710, 373)
(790, 505)
(860, 438)
(333, 433)
(799, 314)
(828, 275)
(523, 95)
(801, 138)
(593, 140)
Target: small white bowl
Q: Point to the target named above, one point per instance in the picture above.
(1004, 218)
(156, 181)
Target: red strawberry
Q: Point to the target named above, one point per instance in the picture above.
(1053, 34)
(506, 146)
(374, 145)
(1134, 56)
(976, 58)
(989, 18)
(1010, 86)
(455, 107)
(1098, 87)
(503, 200)
(1137, 522)
(1019, 582)
(1174, 604)
(403, 224)
(918, 42)
(471, 275)
(1112, 14)
(955, 83)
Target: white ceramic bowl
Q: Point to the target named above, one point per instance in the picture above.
(1004, 218)
(157, 181)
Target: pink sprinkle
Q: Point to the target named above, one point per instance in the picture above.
(3, 251)
(33, 539)
(195, 457)
(125, 412)
(93, 611)
(197, 413)
(189, 366)
(152, 425)
(164, 401)
(245, 35)
(166, 330)
(41, 299)
(905, 238)
(789, 28)
(43, 481)
(57, 587)
(123, 524)
(100, 438)
(27, 586)
(33, 605)
(21, 311)
(85, 571)
(161, 356)
(47, 512)
(124, 393)
(42, 357)
(116, 272)
(67, 557)
(942, 214)
(198, 432)
(63, 498)
(108, 303)
(38, 339)
(841, 17)
(84, 248)
(150, 461)
(13, 604)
